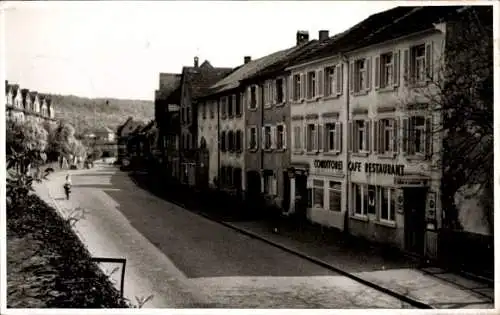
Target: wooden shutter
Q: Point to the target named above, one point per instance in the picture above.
(377, 72)
(258, 96)
(303, 86)
(406, 134)
(304, 136)
(320, 82)
(290, 88)
(266, 94)
(263, 138)
(429, 131)
(326, 138)
(350, 136)
(406, 66)
(339, 79)
(338, 135)
(376, 136)
(351, 77)
(320, 129)
(249, 136)
(368, 74)
(395, 68)
(368, 133)
(273, 137)
(428, 60)
(284, 137)
(395, 136)
(248, 96)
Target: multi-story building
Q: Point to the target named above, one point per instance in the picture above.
(167, 117)
(365, 156)
(267, 154)
(23, 104)
(195, 82)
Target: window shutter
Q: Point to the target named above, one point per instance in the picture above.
(319, 145)
(275, 185)
(376, 136)
(406, 133)
(258, 95)
(304, 136)
(326, 140)
(303, 86)
(290, 88)
(263, 138)
(395, 136)
(320, 84)
(428, 60)
(248, 94)
(273, 137)
(266, 93)
(377, 72)
(351, 77)
(249, 135)
(338, 135)
(339, 78)
(368, 74)
(395, 68)
(428, 137)
(284, 137)
(274, 90)
(368, 135)
(406, 66)
(350, 136)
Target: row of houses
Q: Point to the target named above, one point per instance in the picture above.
(24, 104)
(336, 130)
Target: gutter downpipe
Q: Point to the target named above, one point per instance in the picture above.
(348, 135)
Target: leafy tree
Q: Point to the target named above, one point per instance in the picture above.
(460, 92)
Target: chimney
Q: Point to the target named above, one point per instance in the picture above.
(302, 37)
(196, 62)
(323, 34)
(247, 59)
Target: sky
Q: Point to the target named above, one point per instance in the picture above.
(117, 49)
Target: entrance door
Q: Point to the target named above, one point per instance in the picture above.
(414, 209)
(253, 185)
(301, 196)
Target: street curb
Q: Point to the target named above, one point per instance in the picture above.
(401, 297)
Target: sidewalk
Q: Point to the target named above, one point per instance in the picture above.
(386, 268)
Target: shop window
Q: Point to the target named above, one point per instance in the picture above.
(318, 193)
(388, 204)
(335, 196)
(359, 200)
(370, 199)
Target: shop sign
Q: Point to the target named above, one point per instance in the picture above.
(410, 181)
(377, 168)
(330, 164)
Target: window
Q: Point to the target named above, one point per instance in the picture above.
(223, 104)
(223, 141)
(268, 95)
(417, 135)
(280, 137)
(387, 70)
(318, 193)
(212, 109)
(360, 70)
(370, 200)
(238, 140)
(204, 110)
(231, 100)
(252, 138)
(311, 85)
(386, 136)
(253, 97)
(312, 140)
(358, 200)
(418, 63)
(361, 136)
(297, 137)
(296, 87)
(333, 134)
(267, 137)
(238, 105)
(230, 141)
(335, 196)
(388, 204)
(280, 97)
(330, 81)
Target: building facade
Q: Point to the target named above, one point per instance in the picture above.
(22, 105)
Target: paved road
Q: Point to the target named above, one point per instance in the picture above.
(186, 260)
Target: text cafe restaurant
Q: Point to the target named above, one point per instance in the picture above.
(388, 203)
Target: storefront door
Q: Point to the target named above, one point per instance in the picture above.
(414, 210)
(301, 196)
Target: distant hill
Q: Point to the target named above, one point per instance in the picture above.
(109, 112)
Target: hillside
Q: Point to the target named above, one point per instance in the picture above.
(109, 112)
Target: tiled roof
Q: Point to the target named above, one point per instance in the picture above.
(381, 27)
(169, 82)
(246, 70)
(201, 78)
